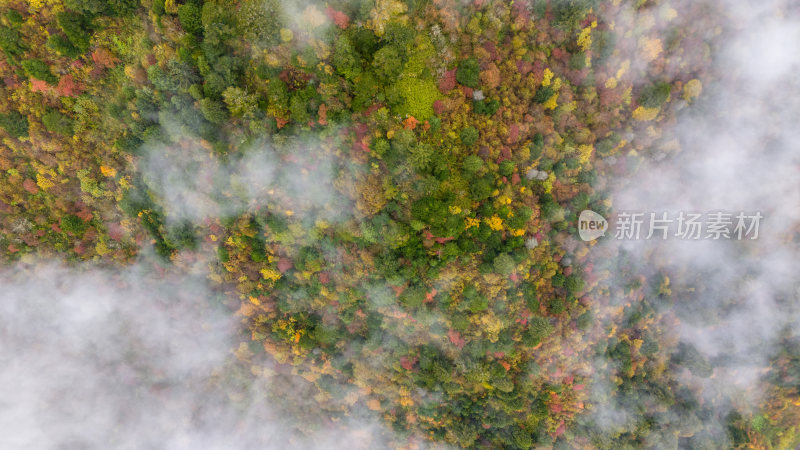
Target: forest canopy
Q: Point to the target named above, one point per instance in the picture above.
(384, 194)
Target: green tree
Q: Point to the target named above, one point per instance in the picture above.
(469, 136)
(239, 102)
(63, 46)
(420, 156)
(543, 94)
(504, 264)
(103, 7)
(15, 124)
(468, 72)
(11, 42)
(56, 122)
(346, 60)
(36, 68)
(655, 95)
(77, 28)
(486, 107)
(298, 109)
(71, 223)
(189, 16)
(260, 20)
(472, 164)
(14, 17)
(568, 14)
(387, 64)
(538, 329)
(213, 110)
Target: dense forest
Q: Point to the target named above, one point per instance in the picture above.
(385, 194)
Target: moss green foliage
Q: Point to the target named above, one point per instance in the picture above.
(417, 97)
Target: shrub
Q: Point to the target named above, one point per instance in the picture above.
(468, 72)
